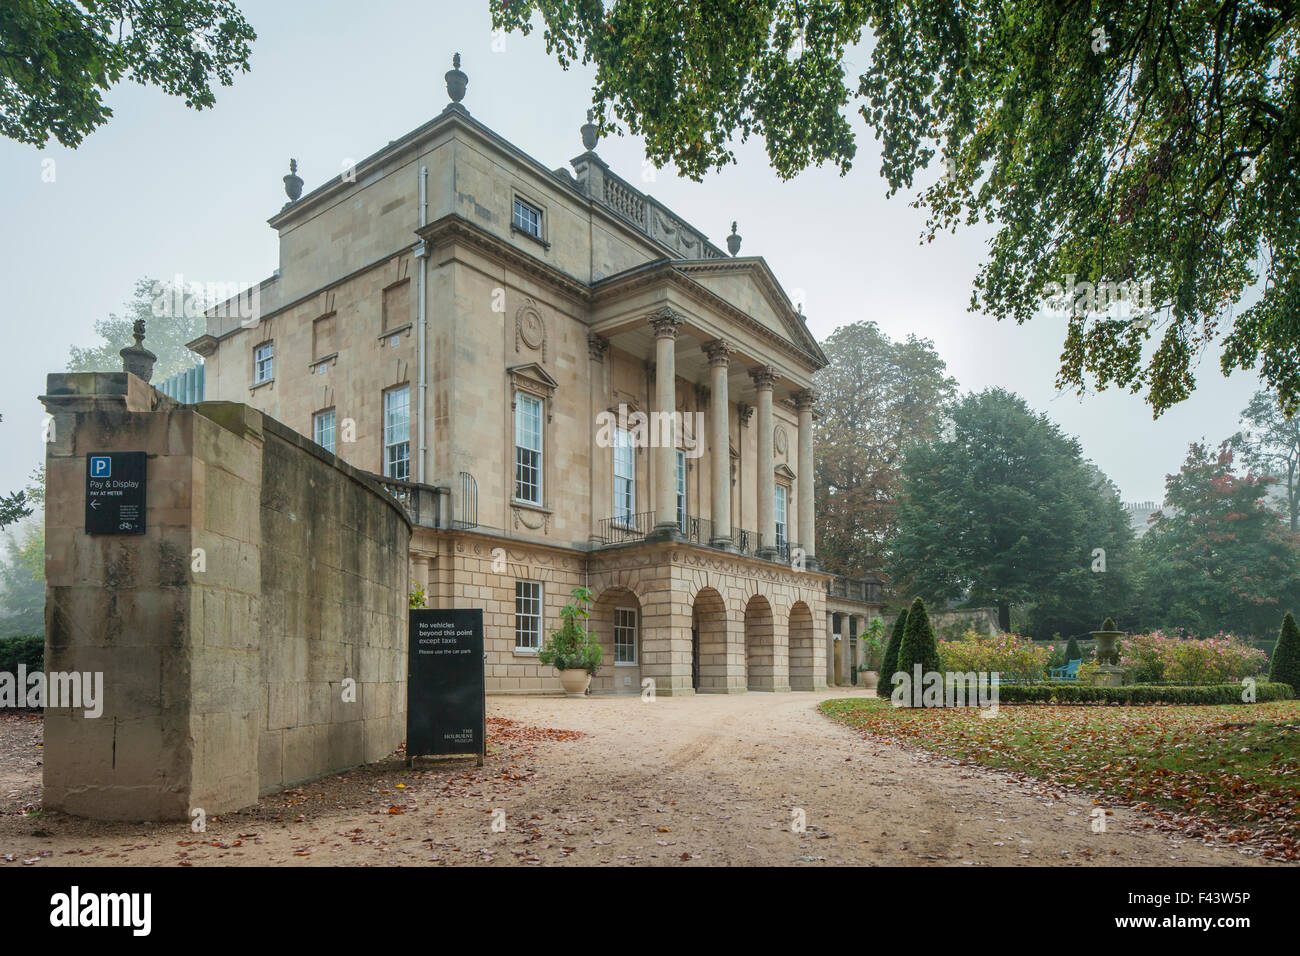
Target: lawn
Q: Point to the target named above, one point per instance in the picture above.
(1231, 772)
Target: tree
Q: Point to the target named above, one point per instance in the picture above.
(876, 397)
(1285, 668)
(13, 506)
(1108, 580)
(889, 666)
(172, 317)
(58, 58)
(22, 583)
(22, 575)
(919, 646)
(1271, 443)
(1072, 652)
(1003, 511)
(1217, 558)
(1114, 142)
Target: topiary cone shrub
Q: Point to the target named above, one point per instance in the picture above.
(1285, 668)
(889, 666)
(1072, 652)
(919, 645)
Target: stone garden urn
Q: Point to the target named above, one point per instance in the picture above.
(1109, 673)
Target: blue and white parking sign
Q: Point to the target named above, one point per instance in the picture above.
(101, 466)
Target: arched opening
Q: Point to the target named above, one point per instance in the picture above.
(616, 623)
(709, 643)
(760, 645)
(801, 647)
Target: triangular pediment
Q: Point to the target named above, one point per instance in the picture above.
(535, 373)
(749, 285)
(783, 471)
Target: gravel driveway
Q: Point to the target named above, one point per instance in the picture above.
(708, 779)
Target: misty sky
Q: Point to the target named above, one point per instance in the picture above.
(162, 190)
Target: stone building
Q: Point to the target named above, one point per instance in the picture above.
(506, 344)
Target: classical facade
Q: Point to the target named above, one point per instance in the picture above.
(566, 384)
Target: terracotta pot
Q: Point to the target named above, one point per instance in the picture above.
(868, 679)
(575, 681)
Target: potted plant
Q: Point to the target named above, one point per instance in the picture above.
(873, 654)
(570, 649)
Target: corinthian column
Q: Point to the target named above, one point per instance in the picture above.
(764, 380)
(719, 353)
(663, 431)
(807, 522)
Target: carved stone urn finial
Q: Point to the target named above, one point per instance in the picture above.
(293, 182)
(456, 80)
(136, 359)
(590, 132)
(733, 241)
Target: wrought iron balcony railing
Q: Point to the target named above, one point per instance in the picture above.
(622, 529)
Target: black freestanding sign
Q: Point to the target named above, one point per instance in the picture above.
(115, 492)
(446, 688)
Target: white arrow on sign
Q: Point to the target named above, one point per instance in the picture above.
(94, 504)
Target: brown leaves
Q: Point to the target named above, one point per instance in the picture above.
(1229, 781)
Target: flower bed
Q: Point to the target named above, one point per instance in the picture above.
(1011, 656)
(1159, 657)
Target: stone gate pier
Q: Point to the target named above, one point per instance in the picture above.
(252, 637)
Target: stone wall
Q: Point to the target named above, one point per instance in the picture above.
(269, 573)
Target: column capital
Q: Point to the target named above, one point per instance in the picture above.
(665, 322)
(764, 376)
(719, 352)
(597, 346)
(805, 400)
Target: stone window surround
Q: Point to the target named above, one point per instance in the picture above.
(543, 481)
(636, 635)
(534, 381)
(543, 226)
(333, 426)
(530, 652)
(258, 382)
(383, 428)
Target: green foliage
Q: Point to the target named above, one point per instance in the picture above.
(1216, 557)
(61, 57)
(1077, 692)
(26, 650)
(1108, 625)
(570, 647)
(876, 397)
(1072, 652)
(1009, 656)
(1163, 150)
(14, 506)
(873, 652)
(1286, 655)
(1271, 445)
(167, 329)
(1004, 511)
(22, 582)
(417, 596)
(889, 664)
(919, 645)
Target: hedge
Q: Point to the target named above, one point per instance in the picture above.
(1139, 694)
(22, 650)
